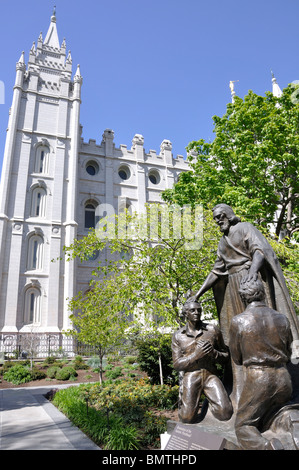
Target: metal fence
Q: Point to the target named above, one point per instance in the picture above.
(40, 345)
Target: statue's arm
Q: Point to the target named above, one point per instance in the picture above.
(234, 344)
(187, 362)
(257, 263)
(208, 283)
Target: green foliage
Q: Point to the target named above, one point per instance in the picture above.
(130, 359)
(114, 373)
(122, 438)
(50, 360)
(129, 425)
(129, 394)
(252, 164)
(154, 425)
(65, 373)
(288, 255)
(94, 424)
(152, 282)
(6, 366)
(149, 347)
(18, 374)
(37, 374)
(79, 363)
(51, 371)
(94, 362)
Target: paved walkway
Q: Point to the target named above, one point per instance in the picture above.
(28, 421)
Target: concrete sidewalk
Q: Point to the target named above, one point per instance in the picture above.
(28, 421)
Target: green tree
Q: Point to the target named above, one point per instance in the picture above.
(252, 164)
(148, 273)
(96, 320)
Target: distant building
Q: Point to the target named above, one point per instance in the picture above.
(52, 182)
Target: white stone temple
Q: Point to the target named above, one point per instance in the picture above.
(52, 183)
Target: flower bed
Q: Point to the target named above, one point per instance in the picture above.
(127, 415)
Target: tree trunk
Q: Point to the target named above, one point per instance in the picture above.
(160, 368)
(289, 213)
(280, 221)
(101, 355)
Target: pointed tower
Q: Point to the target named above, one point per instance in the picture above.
(275, 87)
(38, 189)
(232, 89)
(51, 40)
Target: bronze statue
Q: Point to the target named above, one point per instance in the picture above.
(243, 252)
(260, 340)
(258, 324)
(196, 348)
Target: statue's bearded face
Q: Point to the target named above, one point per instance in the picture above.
(221, 219)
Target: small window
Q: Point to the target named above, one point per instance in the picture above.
(90, 214)
(38, 206)
(124, 173)
(42, 160)
(32, 306)
(154, 177)
(92, 168)
(35, 253)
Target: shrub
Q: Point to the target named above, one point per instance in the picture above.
(131, 425)
(114, 373)
(65, 373)
(6, 366)
(37, 374)
(94, 362)
(51, 371)
(78, 363)
(130, 359)
(18, 374)
(148, 358)
(50, 360)
(154, 425)
(131, 393)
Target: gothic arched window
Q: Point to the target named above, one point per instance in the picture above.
(32, 306)
(35, 253)
(42, 159)
(90, 214)
(38, 205)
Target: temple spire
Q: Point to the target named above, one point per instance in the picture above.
(275, 87)
(232, 89)
(51, 38)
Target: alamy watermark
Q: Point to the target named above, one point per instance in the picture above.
(158, 222)
(2, 92)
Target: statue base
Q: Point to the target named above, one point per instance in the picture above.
(284, 426)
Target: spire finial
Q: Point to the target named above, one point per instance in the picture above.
(53, 17)
(232, 88)
(275, 87)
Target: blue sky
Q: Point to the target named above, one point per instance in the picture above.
(159, 68)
